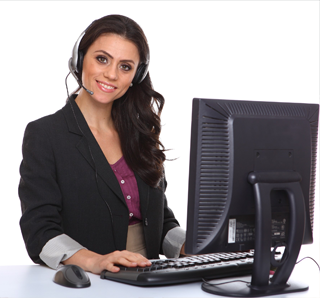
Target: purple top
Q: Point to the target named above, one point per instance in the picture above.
(129, 187)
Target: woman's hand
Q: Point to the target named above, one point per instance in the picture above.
(95, 263)
(182, 252)
(125, 258)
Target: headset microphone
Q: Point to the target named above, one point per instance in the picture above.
(90, 92)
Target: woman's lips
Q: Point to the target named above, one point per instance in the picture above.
(106, 87)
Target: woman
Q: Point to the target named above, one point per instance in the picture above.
(92, 184)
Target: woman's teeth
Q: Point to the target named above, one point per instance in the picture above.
(106, 86)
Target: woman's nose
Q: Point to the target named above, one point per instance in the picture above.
(111, 72)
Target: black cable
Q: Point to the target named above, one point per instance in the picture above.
(310, 259)
(223, 283)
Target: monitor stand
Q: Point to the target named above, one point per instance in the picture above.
(261, 284)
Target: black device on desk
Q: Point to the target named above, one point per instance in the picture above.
(251, 185)
(72, 276)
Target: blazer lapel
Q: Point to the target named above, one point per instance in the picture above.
(89, 148)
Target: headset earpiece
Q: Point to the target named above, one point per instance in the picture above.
(80, 62)
(141, 73)
(74, 61)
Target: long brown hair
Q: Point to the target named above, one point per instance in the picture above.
(136, 114)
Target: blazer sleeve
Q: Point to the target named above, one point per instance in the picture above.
(169, 220)
(39, 193)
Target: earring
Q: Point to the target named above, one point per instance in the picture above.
(131, 85)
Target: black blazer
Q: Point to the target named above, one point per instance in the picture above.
(67, 186)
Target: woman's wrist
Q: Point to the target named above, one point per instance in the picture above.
(83, 258)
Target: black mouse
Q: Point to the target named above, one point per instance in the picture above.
(72, 276)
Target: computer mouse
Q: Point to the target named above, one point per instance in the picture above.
(72, 276)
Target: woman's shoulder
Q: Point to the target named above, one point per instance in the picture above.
(68, 119)
(48, 122)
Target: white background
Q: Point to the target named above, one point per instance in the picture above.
(246, 50)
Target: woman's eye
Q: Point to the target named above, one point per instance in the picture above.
(102, 59)
(125, 67)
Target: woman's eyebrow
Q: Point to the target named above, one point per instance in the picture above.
(124, 60)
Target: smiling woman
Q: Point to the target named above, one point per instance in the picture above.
(92, 179)
(109, 67)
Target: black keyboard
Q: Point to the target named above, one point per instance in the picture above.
(183, 270)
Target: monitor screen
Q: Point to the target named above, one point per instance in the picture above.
(233, 141)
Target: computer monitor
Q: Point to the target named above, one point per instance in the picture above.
(252, 185)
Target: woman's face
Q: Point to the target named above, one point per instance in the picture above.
(109, 67)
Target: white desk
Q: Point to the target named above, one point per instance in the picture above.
(36, 281)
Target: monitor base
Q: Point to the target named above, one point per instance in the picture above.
(244, 289)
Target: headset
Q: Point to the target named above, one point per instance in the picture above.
(76, 62)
